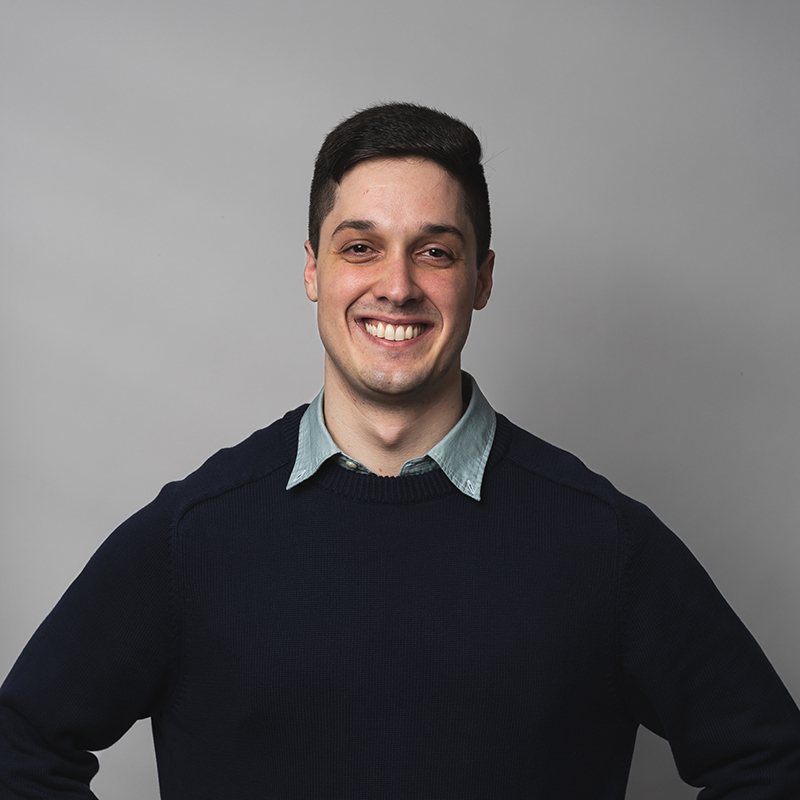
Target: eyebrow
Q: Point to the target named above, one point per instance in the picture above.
(432, 229)
(354, 224)
(440, 228)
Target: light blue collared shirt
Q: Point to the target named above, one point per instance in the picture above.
(462, 454)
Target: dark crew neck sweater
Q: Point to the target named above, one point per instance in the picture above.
(368, 638)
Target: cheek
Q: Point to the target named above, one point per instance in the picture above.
(454, 299)
(341, 289)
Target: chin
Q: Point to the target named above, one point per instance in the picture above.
(399, 385)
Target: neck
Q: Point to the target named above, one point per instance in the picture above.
(384, 435)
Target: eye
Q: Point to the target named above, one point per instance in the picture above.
(437, 254)
(358, 251)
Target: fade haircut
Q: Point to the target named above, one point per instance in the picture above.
(398, 130)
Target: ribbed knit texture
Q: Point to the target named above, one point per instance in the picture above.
(367, 638)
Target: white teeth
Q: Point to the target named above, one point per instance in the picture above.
(392, 333)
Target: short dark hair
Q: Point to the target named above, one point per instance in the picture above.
(397, 130)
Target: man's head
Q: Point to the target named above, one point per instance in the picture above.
(394, 131)
(396, 265)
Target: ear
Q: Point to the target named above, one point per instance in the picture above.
(310, 273)
(483, 288)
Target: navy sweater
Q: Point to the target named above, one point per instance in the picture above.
(375, 638)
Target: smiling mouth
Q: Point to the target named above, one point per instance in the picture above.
(393, 333)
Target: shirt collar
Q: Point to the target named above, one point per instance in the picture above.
(462, 454)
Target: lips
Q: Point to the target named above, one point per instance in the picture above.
(393, 333)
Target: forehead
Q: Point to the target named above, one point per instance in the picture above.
(398, 190)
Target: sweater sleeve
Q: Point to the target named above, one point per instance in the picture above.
(102, 659)
(694, 675)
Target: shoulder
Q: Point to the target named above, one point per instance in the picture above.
(564, 495)
(261, 453)
(540, 459)
(550, 471)
(268, 451)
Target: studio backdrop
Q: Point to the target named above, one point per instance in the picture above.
(644, 168)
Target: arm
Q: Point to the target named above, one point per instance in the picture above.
(101, 660)
(694, 675)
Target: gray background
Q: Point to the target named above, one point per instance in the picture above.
(644, 161)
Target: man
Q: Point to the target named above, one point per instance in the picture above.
(394, 592)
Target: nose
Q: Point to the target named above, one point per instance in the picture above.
(396, 281)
